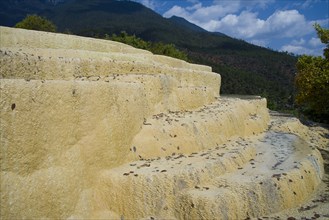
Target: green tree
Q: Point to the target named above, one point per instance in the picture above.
(168, 50)
(312, 80)
(156, 48)
(35, 22)
(323, 34)
(131, 40)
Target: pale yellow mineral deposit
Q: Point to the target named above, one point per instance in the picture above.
(98, 129)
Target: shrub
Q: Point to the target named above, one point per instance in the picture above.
(35, 22)
(156, 48)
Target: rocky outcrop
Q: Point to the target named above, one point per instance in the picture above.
(98, 129)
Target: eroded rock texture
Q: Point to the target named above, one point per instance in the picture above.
(98, 129)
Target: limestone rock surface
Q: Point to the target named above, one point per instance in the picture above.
(97, 129)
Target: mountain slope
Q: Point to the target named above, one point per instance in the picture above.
(245, 68)
(13, 11)
(184, 23)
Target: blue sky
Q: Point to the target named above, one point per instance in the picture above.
(282, 25)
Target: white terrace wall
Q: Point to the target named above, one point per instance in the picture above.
(72, 106)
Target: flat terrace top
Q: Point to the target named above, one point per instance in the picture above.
(70, 45)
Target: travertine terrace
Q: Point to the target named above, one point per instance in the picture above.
(98, 129)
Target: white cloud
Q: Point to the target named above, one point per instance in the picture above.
(289, 23)
(177, 11)
(148, 3)
(295, 49)
(202, 14)
(315, 42)
(193, 1)
(323, 22)
(312, 46)
(262, 43)
(213, 12)
(256, 3)
(239, 19)
(212, 8)
(298, 42)
(248, 4)
(247, 24)
(306, 4)
(300, 50)
(280, 24)
(194, 7)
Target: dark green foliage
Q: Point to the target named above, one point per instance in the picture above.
(168, 50)
(312, 81)
(131, 40)
(156, 48)
(35, 22)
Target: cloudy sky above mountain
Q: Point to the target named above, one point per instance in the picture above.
(284, 25)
